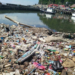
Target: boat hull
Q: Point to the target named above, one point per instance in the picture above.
(44, 11)
(49, 12)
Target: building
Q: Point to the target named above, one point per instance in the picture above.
(12, 5)
(73, 6)
(53, 5)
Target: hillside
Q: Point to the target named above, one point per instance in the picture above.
(56, 1)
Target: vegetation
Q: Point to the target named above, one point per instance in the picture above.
(56, 1)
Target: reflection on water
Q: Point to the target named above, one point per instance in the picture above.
(58, 22)
(73, 18)
(57, 16)
(29, 18)
(49, 16)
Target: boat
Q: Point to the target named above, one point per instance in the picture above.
(42, 10)
(48, 11)
(73, 14)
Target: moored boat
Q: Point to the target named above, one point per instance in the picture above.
(42, 10)
(50, 10)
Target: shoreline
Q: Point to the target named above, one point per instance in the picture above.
(45, 31)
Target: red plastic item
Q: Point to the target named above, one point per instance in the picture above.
(47, 73)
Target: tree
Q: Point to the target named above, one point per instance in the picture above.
(0, 3)
(55, 1)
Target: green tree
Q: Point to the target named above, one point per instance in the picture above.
(56, 1)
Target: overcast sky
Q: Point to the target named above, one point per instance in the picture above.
(22, 2)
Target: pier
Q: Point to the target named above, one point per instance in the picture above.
(18, 7)
(32, 8)
(64, 11)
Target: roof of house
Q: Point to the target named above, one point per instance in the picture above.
(61, 5)
(73, 5)
(50, 5)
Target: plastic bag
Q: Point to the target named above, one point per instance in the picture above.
(57, 66)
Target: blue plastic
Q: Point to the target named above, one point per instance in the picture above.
(2, 38)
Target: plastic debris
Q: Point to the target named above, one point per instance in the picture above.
(32, 51)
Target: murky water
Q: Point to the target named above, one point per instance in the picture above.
(57, 22)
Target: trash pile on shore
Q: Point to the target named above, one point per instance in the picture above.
(36, 51)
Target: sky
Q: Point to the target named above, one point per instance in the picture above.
(22, 2)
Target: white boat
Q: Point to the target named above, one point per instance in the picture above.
(50, 10)
(73, 14)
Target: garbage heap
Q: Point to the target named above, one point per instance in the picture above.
(36, 51)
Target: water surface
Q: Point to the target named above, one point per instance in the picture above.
(29, 18)
(57, 22)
